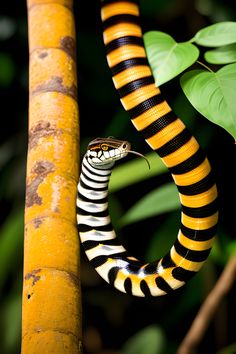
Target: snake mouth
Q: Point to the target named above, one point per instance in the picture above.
(104, 152)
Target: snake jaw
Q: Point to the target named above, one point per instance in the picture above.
(103, 152)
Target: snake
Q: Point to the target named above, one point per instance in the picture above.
(168, 136)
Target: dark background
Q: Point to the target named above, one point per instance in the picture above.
(109, 317)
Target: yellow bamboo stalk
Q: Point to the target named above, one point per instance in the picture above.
(51, 319)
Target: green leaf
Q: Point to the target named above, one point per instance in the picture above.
(223, 55)
(213, 95)
(163, 238)
(231, 349)
(221, 33)
(231, 248)
(7, 70)
(11, 242)
(11, 320)
(167, 57)
(150, 340)
(158, 201)
(135, 171)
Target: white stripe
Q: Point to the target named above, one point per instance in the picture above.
(93, 184)
(90, 194)
(91, 207)
(93, 221)
(93, 177)
(94, 235)
(104, 250)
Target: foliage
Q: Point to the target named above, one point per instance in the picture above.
(150, 340)
(211, 93)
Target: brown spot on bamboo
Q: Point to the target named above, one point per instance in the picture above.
(41, 169)
(41, 129)
(34, 276)
(68, 45)
(37, 222)
(73, 278)
(56, 85)
(43, 55)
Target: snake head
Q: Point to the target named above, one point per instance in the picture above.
(105, 151)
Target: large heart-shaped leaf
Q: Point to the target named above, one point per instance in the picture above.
(168, 58)
(218, 34)
(213, 95)
(223, 55)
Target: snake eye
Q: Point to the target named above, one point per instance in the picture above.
(104, 147)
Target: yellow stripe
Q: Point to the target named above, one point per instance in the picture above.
(131, 74)
(121, 7)
(195, 245)
(166, 134)
(121, 30)
(139, 95)
(184, 263)
(196, 201)
(151, 115)
(182, 153)
(194, 175)
(129, 52)
(199, 223)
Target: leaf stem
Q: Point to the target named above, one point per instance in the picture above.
(205, 66)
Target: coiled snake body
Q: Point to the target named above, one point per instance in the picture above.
(168, 136)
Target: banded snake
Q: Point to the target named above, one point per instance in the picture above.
(166, 134)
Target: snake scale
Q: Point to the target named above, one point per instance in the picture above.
(168, 136)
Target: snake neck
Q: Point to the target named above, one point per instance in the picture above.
(94, 180)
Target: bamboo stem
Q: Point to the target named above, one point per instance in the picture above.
(51, 319)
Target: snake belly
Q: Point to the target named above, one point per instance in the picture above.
(168, 136)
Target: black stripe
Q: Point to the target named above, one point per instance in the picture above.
(145, 288)
(98, 261)
(167, 261)
(121, 18)
(174, 144)
(198, 235)
(190, 255)
(128, 286)
(112, 274)
(188, 165)
(86, 228)
(127, 64)
(92, 213)
(145, 105)
(127, 40)
(134, 266)
(163, 285)
(86, 186)
(158, 125)
(97, 201)
(95, 179)
(201, 212)
(182, 274)
(135, 85)
(93, 243)
(109, 170)
(199, 187)
(150, 268)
